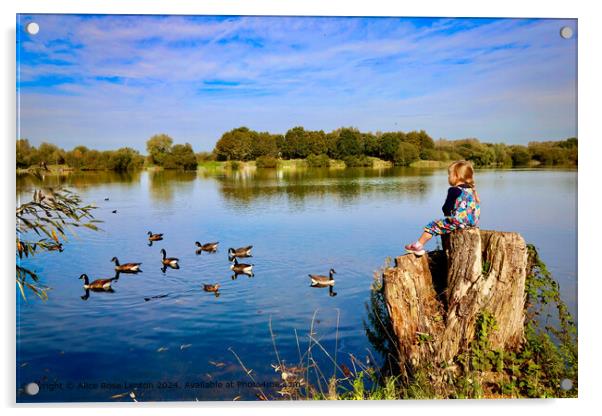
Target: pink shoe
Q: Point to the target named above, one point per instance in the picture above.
(415, 248)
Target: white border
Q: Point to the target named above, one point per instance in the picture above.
(589, 203)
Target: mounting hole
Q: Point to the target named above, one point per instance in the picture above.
(32, 389)
(566, 32)
(32, 28)
(566, 384)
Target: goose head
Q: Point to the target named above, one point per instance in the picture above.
(163, 252)
(332, 271)
(197, 244)
(84, 276)
(114, 260)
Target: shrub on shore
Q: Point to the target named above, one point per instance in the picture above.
(318, 161)
(266, 162)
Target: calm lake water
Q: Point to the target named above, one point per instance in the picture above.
(299, 222)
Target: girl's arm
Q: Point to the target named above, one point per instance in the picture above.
(450, 202)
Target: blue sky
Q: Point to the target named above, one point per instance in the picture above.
(112, 81)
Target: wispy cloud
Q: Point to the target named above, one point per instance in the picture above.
(109, 80)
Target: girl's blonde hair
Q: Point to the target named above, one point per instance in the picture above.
(461, 172)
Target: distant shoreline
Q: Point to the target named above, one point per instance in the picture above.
(292, 164)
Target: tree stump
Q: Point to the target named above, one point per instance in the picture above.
(433, 307)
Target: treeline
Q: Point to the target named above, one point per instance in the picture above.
(350, 145)
(80, 157)
(161, 152)
(401, 148)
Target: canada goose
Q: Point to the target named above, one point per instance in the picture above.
(242, 268)
(212, 247)
(98, 284)
(154, 237)
(126, 267)
(56, 247)
(107, 198)
(169, 261)
(240, 252)
(317, 279)
(114, 211)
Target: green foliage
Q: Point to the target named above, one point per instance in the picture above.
(349, 143)
(357, 161)
(158, 147)
(520, 155)
(405, 154)
(318, 161)
(181, 156)
(236, 144)
(266, 162)
(41, 224)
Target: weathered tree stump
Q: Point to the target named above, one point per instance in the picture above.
(434, 307)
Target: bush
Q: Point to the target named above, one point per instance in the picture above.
(318, 161)
(266, 162)
(233, 164)
(357, 161)
(406, 153)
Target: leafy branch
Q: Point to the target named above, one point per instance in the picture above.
(41, 224)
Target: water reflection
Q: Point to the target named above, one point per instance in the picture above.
(165, 184)
(76, 179)
(245, 187)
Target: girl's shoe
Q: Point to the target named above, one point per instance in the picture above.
(415, 248)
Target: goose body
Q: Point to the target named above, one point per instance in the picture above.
(56, 247)
(320, 280)
(240, 252)
(211, 287)
(154, 237)
(207, 246)
(241, 268)
(98, 284)
(169, 261)
(126, 267)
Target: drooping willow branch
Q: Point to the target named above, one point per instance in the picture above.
(41, 224)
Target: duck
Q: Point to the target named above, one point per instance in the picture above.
(240, 252)
(56, 247)
(242, 268)
(169, 261)
(98, 284)
(126, 267)
(319, 280)
(154, 237)
(212, 247)
(211, 287)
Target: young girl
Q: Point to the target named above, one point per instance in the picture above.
(461, 208)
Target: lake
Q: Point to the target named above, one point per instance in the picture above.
(159, 330)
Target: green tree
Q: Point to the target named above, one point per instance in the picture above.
(158, 147)
(264, 144)
(520, 155)
(181, 156)
(295, 144)
(25, 153)
(50, 154)
(349, 143)
(236, 144)
(125, 159)
(406, 153)
(389, 143)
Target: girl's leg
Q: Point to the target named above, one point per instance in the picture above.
(424, 238)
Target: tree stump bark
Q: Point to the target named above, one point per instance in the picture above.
(433, 307)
